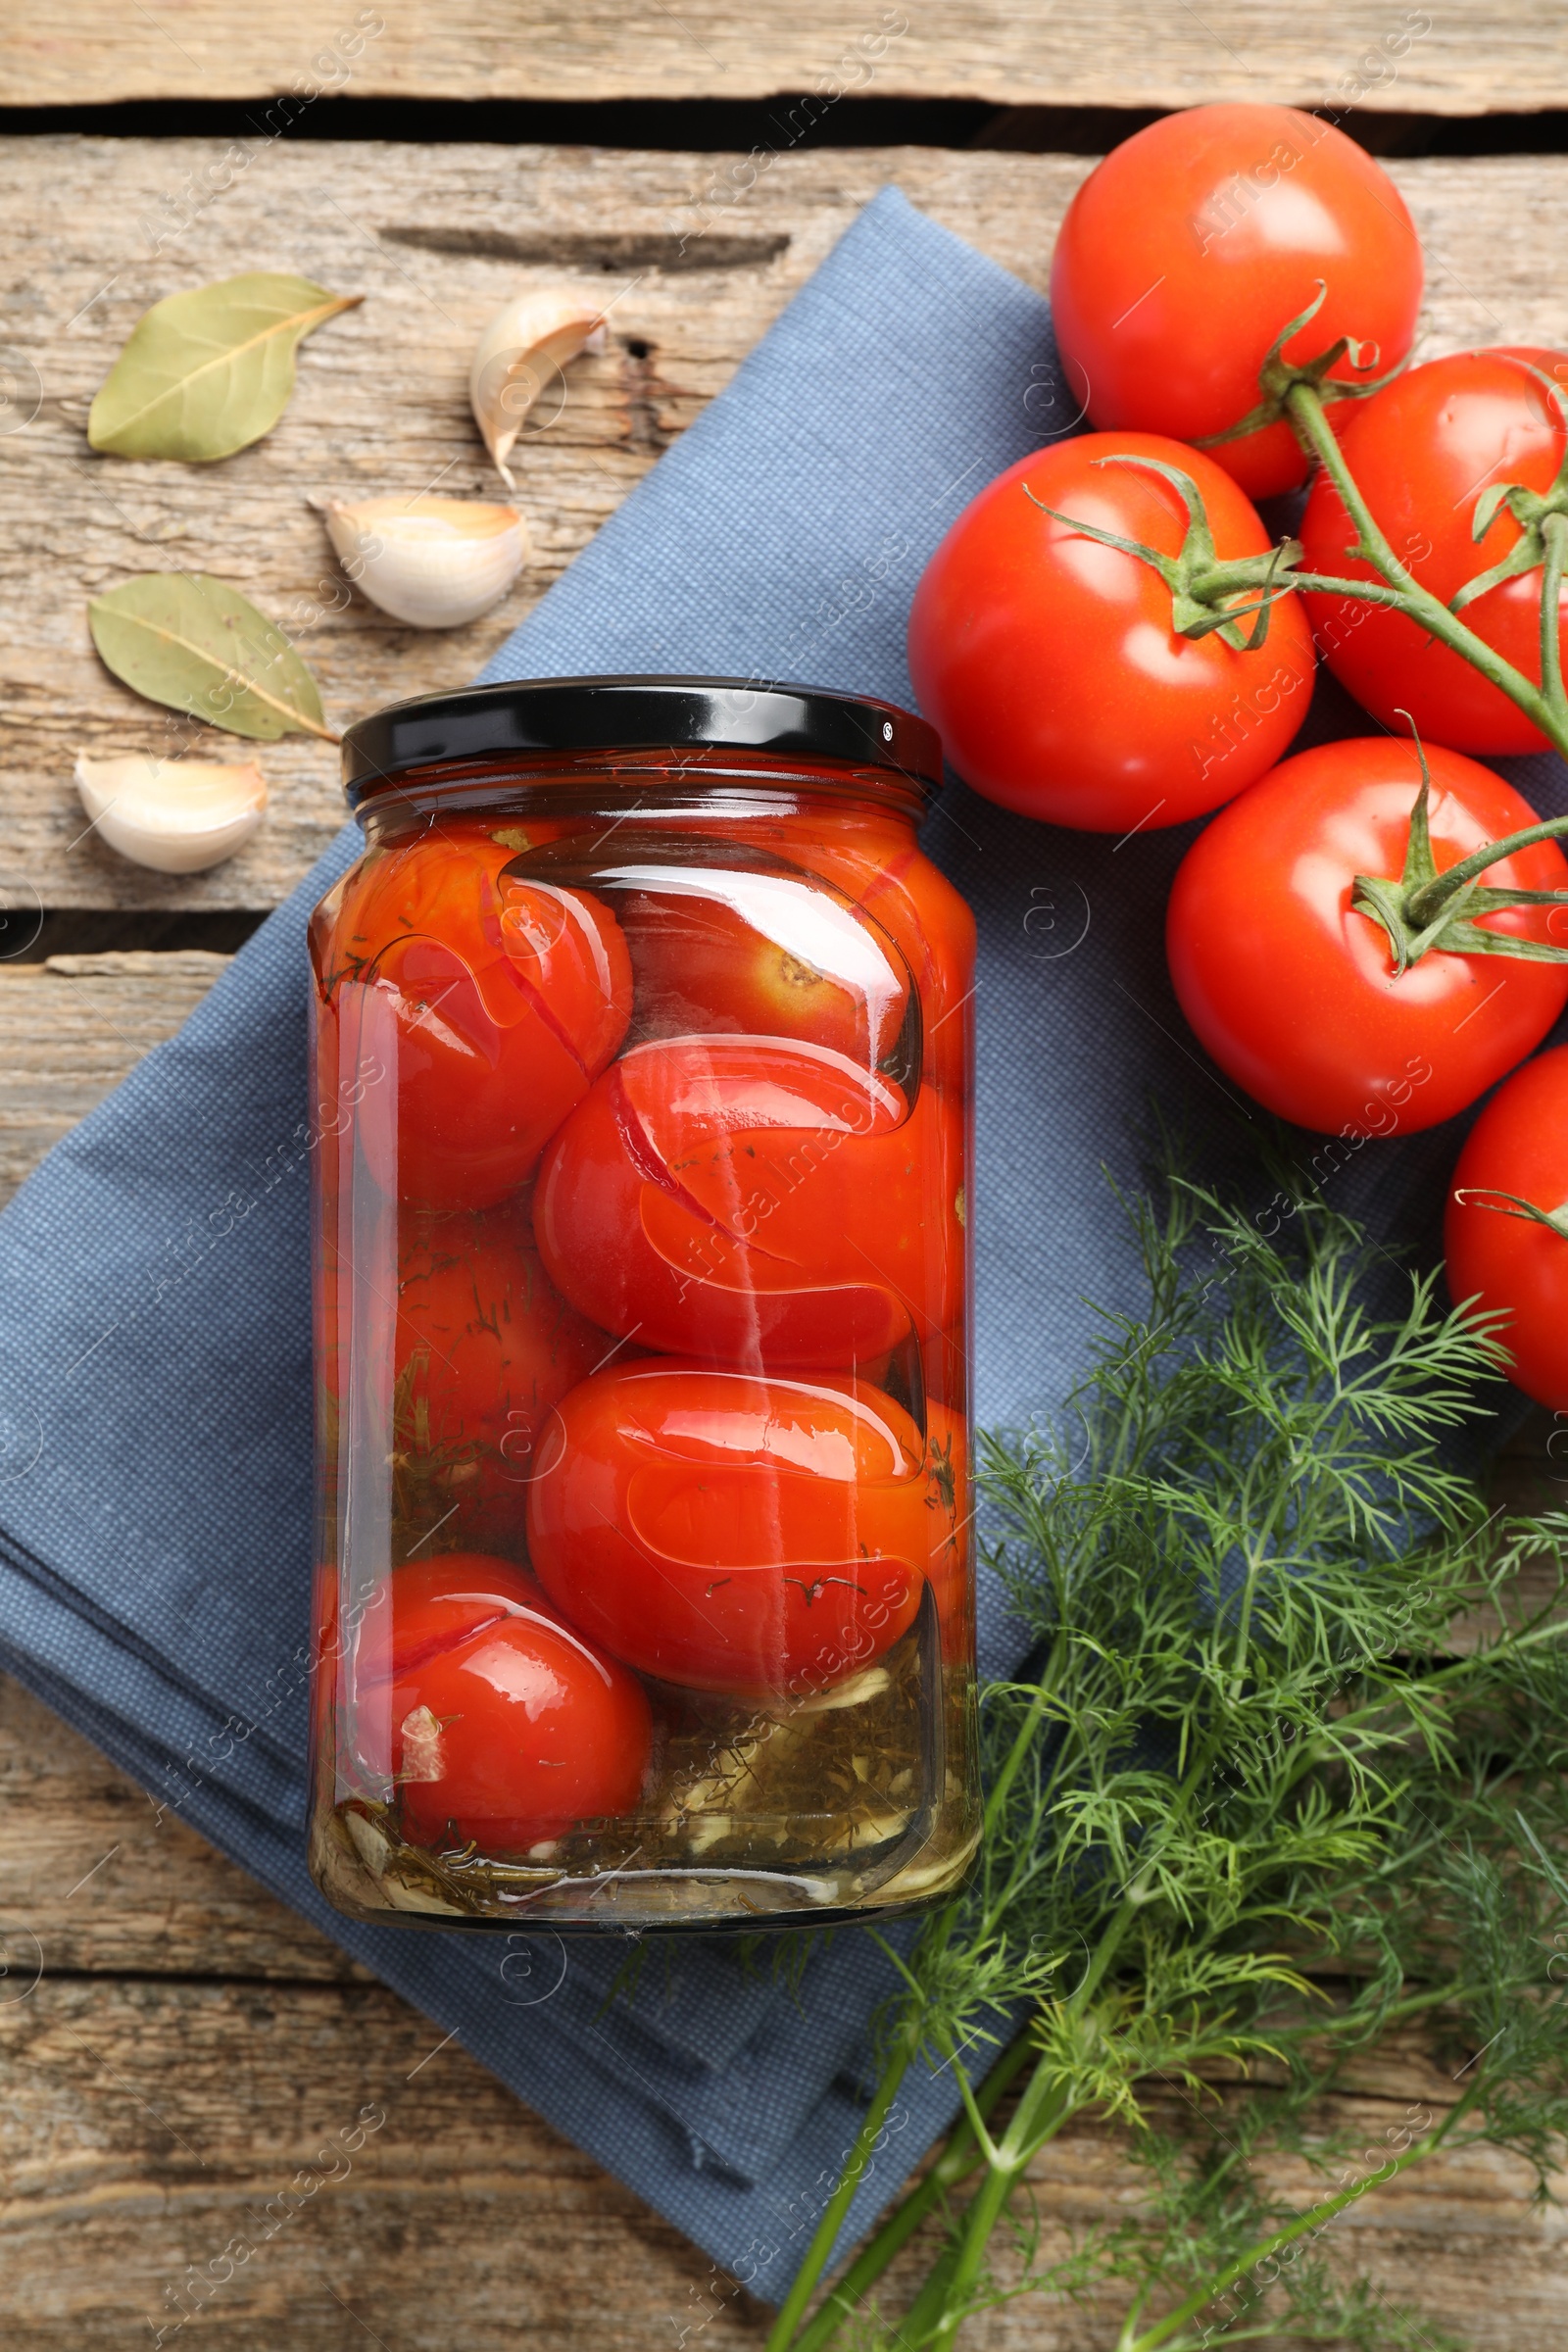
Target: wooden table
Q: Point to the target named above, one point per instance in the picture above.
(187, 2044)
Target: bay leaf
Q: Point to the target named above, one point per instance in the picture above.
(193, 642)
(209, 371)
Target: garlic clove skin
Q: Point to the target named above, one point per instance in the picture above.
(526, 345)
(434, 563)
(177, 816)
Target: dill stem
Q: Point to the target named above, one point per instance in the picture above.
(938, 2310)
(960, 2156)
(1546, 1626)
(824, 2236)
(1315, 2218)
(1046, 2104)
(1039, 2115)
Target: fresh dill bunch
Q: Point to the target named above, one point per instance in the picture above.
(1250, 1806)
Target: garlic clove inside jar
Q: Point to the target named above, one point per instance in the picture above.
(177, 816)
(434, 563)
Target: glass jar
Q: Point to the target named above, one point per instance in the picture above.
(642, 1053)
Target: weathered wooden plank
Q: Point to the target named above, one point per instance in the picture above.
(150, 2116)
(696, 265)
(148, 2128)
(154, 2127)
(1443, 58)
(94, 1878)
(74, 1025)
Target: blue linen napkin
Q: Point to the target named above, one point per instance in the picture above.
(155, 1446)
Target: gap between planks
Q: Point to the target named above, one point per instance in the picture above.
(1446, 58)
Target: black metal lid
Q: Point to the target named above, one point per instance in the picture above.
(642, 715)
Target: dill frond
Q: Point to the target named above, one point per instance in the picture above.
(1250, 1806)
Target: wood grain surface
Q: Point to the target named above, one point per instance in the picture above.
(179, 2045)
(175, 2048)
(436, 238)
(1449, 57)
(174, 2044)
(72, 1026)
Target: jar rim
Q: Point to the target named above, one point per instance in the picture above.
(638, 713)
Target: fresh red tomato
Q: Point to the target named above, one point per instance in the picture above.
(1294, 994)
(492, 999)
(762, 1202)
(1504, 1259)
(502, 1725)
(768, 954)
(1189, 250)
(484, 1346)
(1049, 665)
(766, 1538)
(1423, 451)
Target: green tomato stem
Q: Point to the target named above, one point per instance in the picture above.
(1366, 592)
(1428, 903)
(1554, 546)
(1308, 413)
(1489, 1196)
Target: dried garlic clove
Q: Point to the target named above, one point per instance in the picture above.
(434, 563)
(521, 351)
(178, 817)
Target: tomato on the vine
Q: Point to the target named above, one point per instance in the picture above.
(764, 1537)
(1196, 242)
(756, 1200)
(1424, 452)
(1294, 992)
(494, 1002)
(1510, 1262)
(1049, 661)
(498, 1722)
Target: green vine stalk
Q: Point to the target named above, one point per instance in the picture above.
(1544, 706)
(1423, 907)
